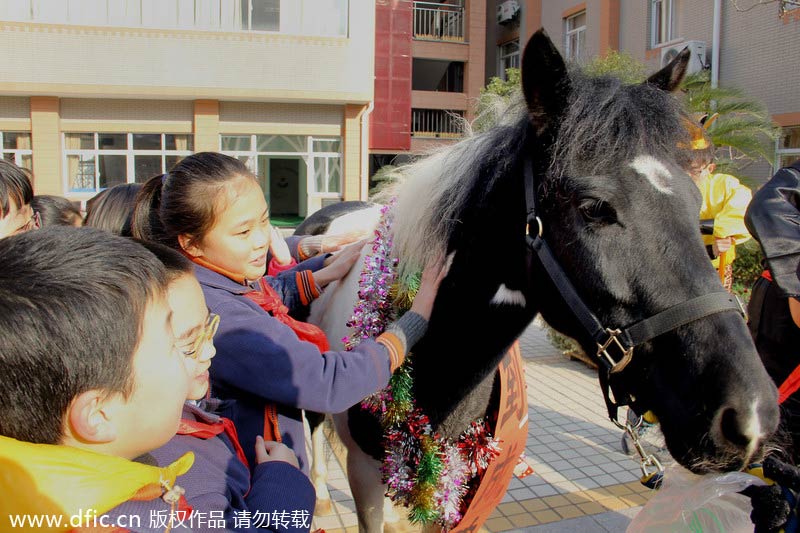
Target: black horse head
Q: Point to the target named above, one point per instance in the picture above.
(621, 217)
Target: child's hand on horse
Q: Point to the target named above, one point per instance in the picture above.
(269, 450)
(333, 243)
(278, 247)
(432, 277)
(338, 265)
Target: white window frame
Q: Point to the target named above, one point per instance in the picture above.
(506, 60)
(579, 32)
(17, 152)
(130, 153)
(783, 152)
(307, 156)
(667, 7)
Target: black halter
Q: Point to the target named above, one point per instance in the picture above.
(623, 340)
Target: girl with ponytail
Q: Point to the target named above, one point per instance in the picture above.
(270, 366)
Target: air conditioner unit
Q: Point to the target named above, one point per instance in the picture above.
(697, 61)
(506, 11)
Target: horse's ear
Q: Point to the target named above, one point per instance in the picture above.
(545, 81)
(670, 77)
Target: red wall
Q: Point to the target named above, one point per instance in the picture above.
(390, 121)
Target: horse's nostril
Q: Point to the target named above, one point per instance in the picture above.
(734, 428)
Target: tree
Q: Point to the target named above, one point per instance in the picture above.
(744, 131)
(619, 64)
(495, 99)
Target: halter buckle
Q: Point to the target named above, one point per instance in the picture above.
(607, 359)
(539, 229)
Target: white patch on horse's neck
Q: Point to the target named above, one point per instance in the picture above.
(654, 170)
(506, 296)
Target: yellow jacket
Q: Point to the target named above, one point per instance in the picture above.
(725, 200)
(44, 479)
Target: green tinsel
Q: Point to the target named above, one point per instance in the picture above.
(400, 385)
(430, 467)
(423, 515)
(405, 290)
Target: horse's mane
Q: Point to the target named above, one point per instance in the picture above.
(607, 123)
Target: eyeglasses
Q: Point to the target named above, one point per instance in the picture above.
(35, 222)
(205, 336)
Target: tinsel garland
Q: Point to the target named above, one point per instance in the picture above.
(423, 471)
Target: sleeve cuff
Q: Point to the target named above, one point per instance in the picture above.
(307, 287)
(401, 336)
(309, 247)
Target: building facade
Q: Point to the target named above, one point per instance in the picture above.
(429, 72)
(102, 92)
(758, 49)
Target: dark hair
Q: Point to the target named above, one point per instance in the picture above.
(73, 302)
(112, 209)
(55, 210)
(184, 201)
(14, 187)
(175, 263)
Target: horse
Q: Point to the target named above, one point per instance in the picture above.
(575, 207)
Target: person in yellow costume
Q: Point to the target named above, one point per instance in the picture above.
(90, 380)
(725, 199)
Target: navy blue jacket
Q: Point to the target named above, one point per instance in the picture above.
(220, 483)
(261, 361)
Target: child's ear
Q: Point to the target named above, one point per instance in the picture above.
(188, 245)
(712, 167)
(90, 417)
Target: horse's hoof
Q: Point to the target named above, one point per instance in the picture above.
(324, 507)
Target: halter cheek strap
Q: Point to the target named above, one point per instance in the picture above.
(619, 340)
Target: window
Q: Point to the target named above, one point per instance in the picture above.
(302, 17)
(788, 146)
(96, 161)
(662, 22)
(435, 75)
(305, 17)
(509, 57)
(575, 36)
(322, 158)
(16, 147)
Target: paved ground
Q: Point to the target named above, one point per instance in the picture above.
(582, 482)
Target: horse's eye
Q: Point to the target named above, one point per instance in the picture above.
(596, 211)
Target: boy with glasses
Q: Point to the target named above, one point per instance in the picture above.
(91, 379)
(220, 488)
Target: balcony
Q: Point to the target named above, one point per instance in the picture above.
(437, 124)
(435, 21)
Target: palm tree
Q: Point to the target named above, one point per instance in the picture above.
(743, 131)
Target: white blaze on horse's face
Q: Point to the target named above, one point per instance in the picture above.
(506, 296)
(655, 171)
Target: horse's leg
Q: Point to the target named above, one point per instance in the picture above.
(364, 476)
(319, 465)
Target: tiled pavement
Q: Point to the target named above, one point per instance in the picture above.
(581, 481)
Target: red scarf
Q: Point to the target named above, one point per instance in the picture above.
(268, 300)
(206, 430)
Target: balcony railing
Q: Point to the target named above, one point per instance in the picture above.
(437, 124)
(439, 22)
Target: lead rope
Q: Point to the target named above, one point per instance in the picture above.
(651, 467)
